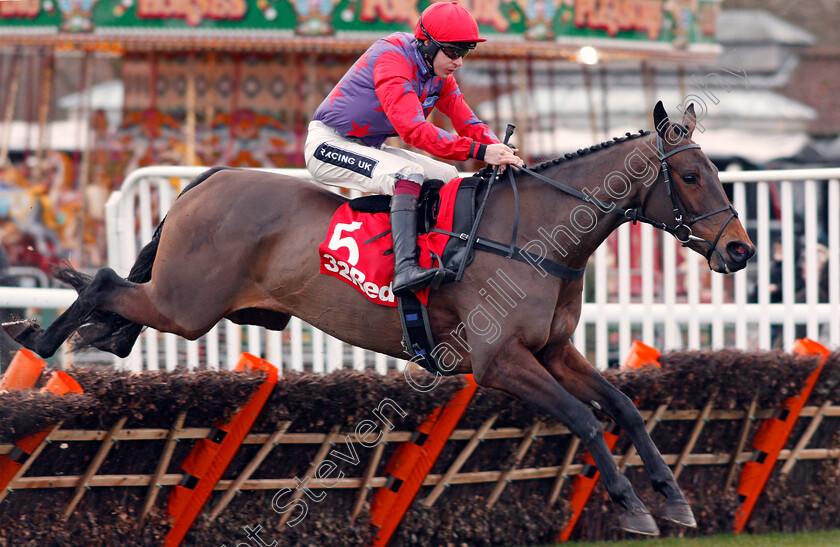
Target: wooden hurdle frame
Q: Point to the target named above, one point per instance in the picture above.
(383, 480)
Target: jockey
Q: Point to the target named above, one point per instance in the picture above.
(390, 91)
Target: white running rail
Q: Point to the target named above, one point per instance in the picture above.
(641, 284)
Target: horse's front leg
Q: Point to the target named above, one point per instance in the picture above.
(515, 370)
(581, 379)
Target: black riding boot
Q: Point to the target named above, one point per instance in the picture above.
(408, 275)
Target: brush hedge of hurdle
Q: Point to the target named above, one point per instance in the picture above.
(123, 462)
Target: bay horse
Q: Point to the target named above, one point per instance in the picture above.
(243, 245)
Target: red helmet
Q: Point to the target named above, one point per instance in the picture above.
(447, 22)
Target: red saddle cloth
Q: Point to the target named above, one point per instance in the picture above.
(355, 248)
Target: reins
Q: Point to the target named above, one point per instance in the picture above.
(682, 231)
(472, 235)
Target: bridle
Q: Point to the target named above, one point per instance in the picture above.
(681, 230)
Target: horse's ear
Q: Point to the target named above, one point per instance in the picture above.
(689, 119)
(660, 120)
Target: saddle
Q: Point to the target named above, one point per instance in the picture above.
(428, 209)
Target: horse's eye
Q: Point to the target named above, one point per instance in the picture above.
(689, 178)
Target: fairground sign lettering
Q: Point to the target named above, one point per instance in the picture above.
(20, 8)
(679, 22)
(192, 12)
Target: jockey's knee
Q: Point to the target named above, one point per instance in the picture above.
(407, 180)
(413, 174)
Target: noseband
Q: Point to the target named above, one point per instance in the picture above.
(682, 230)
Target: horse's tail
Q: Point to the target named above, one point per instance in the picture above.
(107, 330)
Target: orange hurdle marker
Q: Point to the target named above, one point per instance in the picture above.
(209, 458)
(641, 355)
(23, 371)
(60, 383)
(772, 436)
(412, 462)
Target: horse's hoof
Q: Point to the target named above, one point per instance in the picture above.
(16, 329)
(640, 523)
(678, 513)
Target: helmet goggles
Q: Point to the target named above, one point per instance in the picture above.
(457, 50)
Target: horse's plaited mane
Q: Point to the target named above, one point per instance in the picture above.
(586, 151)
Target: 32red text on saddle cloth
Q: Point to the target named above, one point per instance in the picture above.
(355, 248)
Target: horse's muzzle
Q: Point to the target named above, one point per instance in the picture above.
(738, 253)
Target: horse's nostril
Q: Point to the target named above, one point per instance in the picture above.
(738, 251)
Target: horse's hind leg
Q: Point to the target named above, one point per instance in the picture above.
(517, 372)
(578, 376)
(99, 330)
(30, 335)
(103, 336)
(132, 301)
(107, 292)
